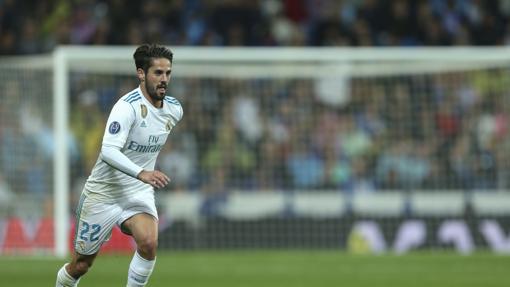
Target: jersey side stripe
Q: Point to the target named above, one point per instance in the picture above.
(134, 99)
(132, 94)
(130, 97)
(172, 101)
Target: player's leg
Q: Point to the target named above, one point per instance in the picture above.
(69, 275)
(144, 229)
(94, 223)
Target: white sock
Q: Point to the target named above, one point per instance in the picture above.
(139, 271)
(64, 279)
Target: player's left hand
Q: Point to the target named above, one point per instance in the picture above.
(155, 178)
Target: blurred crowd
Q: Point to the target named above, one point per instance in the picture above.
(422, 132)
(28, 27)
(443, 131)
(439, 131)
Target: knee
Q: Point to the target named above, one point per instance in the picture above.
(80, 268)
(147, 247)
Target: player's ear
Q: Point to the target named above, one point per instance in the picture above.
(141, 74)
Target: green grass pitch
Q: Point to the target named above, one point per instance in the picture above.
(278, 268)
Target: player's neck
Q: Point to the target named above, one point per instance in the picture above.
(156, 103)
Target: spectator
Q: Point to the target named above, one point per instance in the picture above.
(179, 160)
(440, 129)
(87, 123)
(230, 153)
(305, 167)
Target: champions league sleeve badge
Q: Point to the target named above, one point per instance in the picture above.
(114, 128)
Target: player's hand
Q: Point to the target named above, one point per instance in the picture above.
(154, 177)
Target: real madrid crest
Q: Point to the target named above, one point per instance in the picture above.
(144, 111)
(168, 126)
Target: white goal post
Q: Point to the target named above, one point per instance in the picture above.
(335, 65)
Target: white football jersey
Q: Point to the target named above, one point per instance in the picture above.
(140, 130)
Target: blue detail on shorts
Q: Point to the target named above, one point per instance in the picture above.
(84, 230)
(114, 128)
(78, 215)
(93, 229)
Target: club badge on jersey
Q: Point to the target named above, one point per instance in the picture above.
(143, 111)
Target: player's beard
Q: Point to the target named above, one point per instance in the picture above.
(153, 91)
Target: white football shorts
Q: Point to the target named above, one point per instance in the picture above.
(95, 219)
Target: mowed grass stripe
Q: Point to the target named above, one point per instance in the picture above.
(278, 268)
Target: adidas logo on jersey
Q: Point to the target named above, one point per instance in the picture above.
(143, 124)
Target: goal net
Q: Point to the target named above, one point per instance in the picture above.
(366, 150)
(26, 156)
